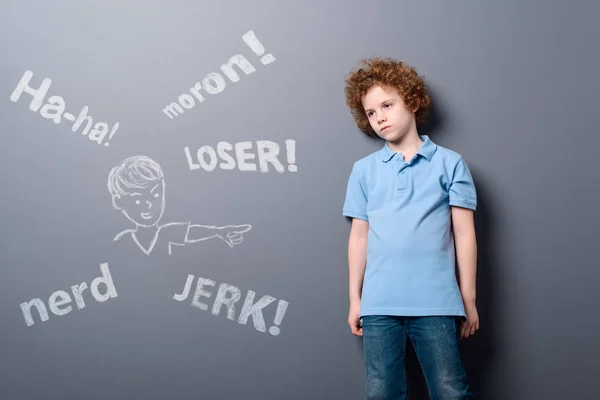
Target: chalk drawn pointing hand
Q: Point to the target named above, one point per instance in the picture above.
(232, 234)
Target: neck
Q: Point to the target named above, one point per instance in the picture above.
(140, 228)
(408, 144)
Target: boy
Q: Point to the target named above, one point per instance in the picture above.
(137, 187)
(411, 203)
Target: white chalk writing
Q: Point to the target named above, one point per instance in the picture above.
(242, 156)
(214, 83)
(54, 109)
(61, 298)
(227, 295)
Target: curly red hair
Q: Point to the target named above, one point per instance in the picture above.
(386, 72)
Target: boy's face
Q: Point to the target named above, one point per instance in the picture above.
(387, 113)
(144, 206)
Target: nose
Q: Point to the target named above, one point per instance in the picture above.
(380, 117)
(149, 204)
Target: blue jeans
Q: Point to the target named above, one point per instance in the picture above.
(435, 340)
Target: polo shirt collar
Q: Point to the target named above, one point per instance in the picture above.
(426, 150)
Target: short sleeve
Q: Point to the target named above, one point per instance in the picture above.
(355, 204)
(462, 191)
(175, 232)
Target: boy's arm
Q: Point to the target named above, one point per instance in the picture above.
(463, 226)
(355, 206)
(231, 234)
(357, 262)
(196, 233)
(357, 257)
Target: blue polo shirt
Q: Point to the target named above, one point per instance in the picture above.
(410, 253)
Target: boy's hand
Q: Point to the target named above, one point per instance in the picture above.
(468, 327)
(232, 234)
(354, 319)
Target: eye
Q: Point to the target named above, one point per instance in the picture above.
(155, 194)
(388, 105)
(137, 202)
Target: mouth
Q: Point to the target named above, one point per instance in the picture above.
(146, 215)
(384, 128)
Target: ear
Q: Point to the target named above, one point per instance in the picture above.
(116, 201)
(416, 107)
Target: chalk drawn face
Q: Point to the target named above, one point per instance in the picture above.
(144, 206)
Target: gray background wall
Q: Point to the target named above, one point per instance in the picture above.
(515, 88)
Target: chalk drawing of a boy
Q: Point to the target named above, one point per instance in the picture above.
(137, 187)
